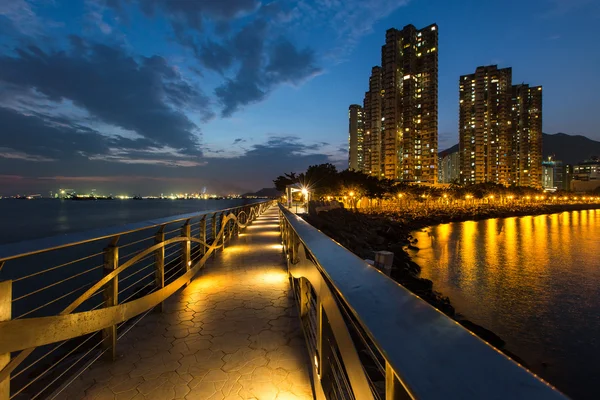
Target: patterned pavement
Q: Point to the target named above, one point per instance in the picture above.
(233, 333)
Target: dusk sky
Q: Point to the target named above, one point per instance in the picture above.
(152, 96)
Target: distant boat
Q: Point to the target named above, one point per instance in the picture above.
(80, 198)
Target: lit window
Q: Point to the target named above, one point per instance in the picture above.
(433, 28)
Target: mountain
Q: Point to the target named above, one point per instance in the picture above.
(264, 192)
(450, 150)
(570, 149)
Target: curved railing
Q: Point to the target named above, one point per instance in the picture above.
(69, 318)
(370, 338)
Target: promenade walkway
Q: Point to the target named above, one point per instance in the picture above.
(233, 333)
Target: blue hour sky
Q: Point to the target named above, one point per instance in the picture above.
(151, 96)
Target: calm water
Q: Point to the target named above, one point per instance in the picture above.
(535, 281)
(32, 219)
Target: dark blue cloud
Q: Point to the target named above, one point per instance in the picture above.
(143, 94)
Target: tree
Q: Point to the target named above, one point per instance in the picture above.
(321, 179)
(282, 181)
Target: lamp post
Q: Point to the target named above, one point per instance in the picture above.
(305, 197)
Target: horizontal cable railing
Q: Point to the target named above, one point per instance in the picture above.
(65, 301)
(370, 338)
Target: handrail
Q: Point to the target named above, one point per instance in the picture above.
(24, 335)
(427, 354)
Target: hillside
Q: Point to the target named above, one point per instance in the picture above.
(571, 149)
(264, 192)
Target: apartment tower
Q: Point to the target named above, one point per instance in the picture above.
(355, 137)
(401, 107)
(500, 129)
(527, 135)
(372, 107)
(484, 125)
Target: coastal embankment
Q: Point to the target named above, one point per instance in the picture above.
(373, 230)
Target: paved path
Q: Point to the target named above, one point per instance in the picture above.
(233, 333)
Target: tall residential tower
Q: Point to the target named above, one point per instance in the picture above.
(500, 129)
(484, 125)
(372, 144)
(401, 107)
(355, 137)
(527, 135)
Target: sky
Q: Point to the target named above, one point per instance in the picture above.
(161, 96)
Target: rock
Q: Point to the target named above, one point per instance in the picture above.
(483, 333)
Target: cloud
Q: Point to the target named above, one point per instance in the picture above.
(350, 20)
(559, 8)
(20, 15)
(44, 138)
(239, 140)
(6, 152)
(262, 67)
(192, 13)
(247, 172)
(255, 57)
(144, 95)
(290, 65)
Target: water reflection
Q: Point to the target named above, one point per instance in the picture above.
(534, 281)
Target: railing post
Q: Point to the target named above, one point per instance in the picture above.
(393, 388)
(186, 248)
(159, 263)
(202, 234)
(235, 225)
(223, 228)
(5, 315)
(111, 297)
(319, 336)
(214, 232)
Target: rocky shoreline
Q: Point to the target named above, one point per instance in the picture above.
(363, 233)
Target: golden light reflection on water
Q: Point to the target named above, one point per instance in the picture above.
(535, 281)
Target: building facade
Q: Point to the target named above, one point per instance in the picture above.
(372, 107)
(554, 175)
(526, 135)
(500, 129)
(355, 137)
(401, 107)
(588, 170)
(449, 167)
(484, 125)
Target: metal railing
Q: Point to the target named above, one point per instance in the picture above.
(65, 301)
(370, 338)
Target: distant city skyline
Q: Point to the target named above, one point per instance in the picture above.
(179, 95)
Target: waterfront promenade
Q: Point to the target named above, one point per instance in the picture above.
(233, 333)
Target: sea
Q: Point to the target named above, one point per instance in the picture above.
(38, 218)
(534, 281)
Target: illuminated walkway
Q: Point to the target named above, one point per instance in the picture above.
(233, 333)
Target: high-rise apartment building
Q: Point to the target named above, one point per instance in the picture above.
(484, 125)
(449, 167)
(500, 129)
(526, 135)
(372, 144)
(355, 137)
(401, 107)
